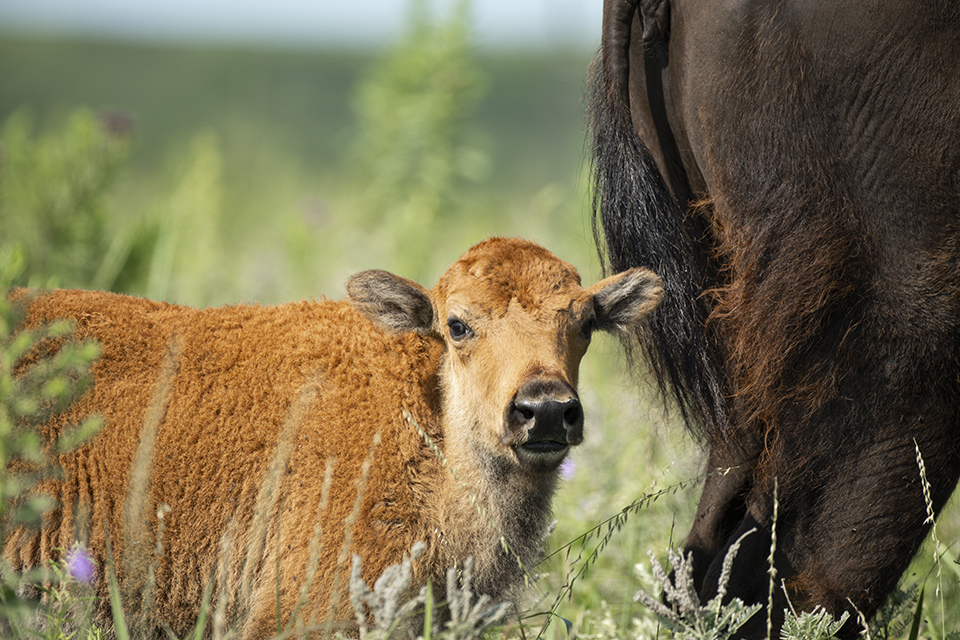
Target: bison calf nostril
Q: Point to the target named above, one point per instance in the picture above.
(523, 412)
(573, 415)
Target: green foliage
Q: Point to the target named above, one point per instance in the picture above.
(67, 612)
(607, 626)
(184, 264)
(55, 201)
(414, 110)
(893, 619)
(26, 398)
(590, 546)
(53, 195)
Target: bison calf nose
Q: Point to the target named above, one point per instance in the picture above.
(550, 418)
(543, 421)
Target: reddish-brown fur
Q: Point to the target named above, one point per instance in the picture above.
(309, 384)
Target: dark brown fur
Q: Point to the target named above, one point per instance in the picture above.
(824, 152)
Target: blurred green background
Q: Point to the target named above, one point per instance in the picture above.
(297, 156)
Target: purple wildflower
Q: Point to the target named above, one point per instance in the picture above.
(80, 564)
(567, 468)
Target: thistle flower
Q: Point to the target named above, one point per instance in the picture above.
(80, 564)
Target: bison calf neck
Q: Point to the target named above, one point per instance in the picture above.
(438, 415)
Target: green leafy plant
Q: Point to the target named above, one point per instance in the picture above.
(812, 625)
(53, 195)
(26, 396)
(414, 110)
(29, 396)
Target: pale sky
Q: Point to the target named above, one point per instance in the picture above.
(365, 23)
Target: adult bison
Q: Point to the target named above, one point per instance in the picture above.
(443, 414)
(810, 327)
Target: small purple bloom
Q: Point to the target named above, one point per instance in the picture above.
(80, 564)
(567, 468)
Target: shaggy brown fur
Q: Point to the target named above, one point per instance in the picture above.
(261, 401)
(811, 318)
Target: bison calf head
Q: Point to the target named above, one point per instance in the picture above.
(516, 323)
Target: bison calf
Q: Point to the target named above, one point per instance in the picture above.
(438, 416)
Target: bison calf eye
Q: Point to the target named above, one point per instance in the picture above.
(588, 328)
(458, 330)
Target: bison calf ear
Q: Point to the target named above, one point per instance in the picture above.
(621, 301)
(395, 303)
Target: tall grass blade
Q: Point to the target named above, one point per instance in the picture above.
(316, 545)
(428, 612)
(201, 625)
(917, 616)
(223, 581)
(136, 523)
(932, 521)
(269, 488)
(772, 568)
(116, 603)
(334, 602)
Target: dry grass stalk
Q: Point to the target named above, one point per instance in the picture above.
(136, 535)
(316, 547)
(268, 494)
(334, 601)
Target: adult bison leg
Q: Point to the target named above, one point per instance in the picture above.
(721, 509)
(732, 512)
(851, 535)
(851, 510)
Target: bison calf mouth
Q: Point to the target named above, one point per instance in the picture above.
(542, 422)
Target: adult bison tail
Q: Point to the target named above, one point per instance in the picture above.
(643, 225)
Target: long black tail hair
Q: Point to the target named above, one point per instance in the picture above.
(642, 224)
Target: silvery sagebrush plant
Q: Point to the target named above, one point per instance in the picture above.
(392, 617)
(469, 618)
(383, 602)
(818, 624)
(683, 614)
(688, 619)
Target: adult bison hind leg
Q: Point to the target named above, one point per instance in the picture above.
(845, 534)
(730, 545)
(867, 524)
